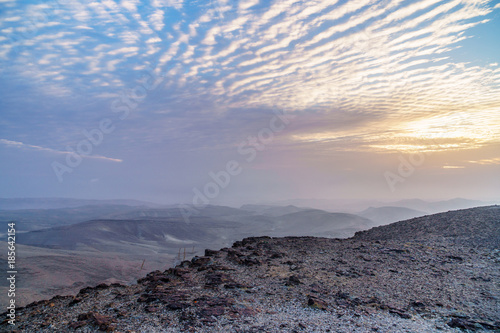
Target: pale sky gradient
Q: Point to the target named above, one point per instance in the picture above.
(175, 90)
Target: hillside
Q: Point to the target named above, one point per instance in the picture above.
(479, 224)
(135, 236)
(381, 280)
(388, 214)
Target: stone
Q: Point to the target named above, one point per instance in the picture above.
(463, 323)
(400, 313)
(316, 303)
(210, 253)
(200, 261)
(102, 321)
(293, 281)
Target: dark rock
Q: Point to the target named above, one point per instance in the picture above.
(463, 323)
(102, 321)
(251, 240)
(234, 285)
(85, 291)
(249, 261)
(234, 256)
(221, 268)
(237, 244)
(417, 304)
(342, 295)
(216, 279)
(185, 264)
(200, 261)
(243, 310)
(397, 250)
(276, 255)
(480, 278)
(457, 258)
(77, 324)
(181, 271)
(102, 286)
(364, 258)
(75, 300)
(400, 313)
(210, 253)
(176, 301)
(212, 311)
(176, 305)
(293, 281)
(155, 276)
(316, 303)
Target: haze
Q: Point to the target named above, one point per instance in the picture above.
(290, 99)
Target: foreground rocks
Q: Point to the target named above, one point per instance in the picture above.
(378, 281)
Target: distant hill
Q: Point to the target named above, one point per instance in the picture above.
(166, 228)
(354, 206)
(123, 235)
(54, 203)
(315, 222)
(272, 210)
(35, 219)
(389, 214)
(441, 206)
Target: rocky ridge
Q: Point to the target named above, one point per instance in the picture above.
(438, 273)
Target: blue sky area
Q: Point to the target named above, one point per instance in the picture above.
(312, 99)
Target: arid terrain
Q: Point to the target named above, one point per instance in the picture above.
(60, 251)
(438, 273)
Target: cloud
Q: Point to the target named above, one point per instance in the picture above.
(487, 161)
(131, 5)
(12, 19)
(177, 4)
(156, 20)
(20, 145)
(391, 58)
(131, 49)
(245, 4)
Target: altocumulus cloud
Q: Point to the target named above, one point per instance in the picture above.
(390, 60)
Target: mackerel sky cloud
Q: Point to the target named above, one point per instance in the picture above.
(367, 80)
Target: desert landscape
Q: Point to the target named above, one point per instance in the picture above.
(435, 273)
(58, 255)
(249, 166)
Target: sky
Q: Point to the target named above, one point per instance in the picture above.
(228, 102)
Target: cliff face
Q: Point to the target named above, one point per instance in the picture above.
(435, 273)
